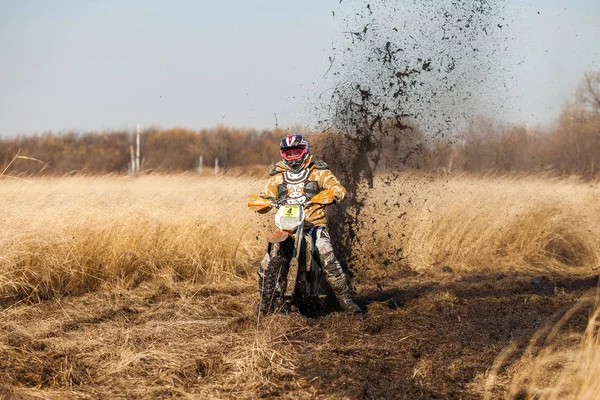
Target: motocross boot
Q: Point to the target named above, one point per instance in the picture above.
(334, 274)
(347, 305)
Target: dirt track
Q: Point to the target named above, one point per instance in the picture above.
(433, 338)
(423, 337)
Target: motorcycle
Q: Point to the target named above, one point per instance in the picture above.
(293, 278)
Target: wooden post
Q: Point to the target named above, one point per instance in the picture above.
(137, 154)
(216, 166)
(200, 164)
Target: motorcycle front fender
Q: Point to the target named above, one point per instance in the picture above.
(278, 236)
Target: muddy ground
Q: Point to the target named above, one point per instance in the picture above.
(430, 336)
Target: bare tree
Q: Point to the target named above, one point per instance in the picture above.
(588, 92)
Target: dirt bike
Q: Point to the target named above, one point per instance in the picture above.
(293, 278)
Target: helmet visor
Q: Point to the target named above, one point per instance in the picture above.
(294, 153)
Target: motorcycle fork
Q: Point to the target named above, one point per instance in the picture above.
(294, 263)
(312, 265)
(273, 249)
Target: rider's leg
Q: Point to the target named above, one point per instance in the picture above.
(333, 271)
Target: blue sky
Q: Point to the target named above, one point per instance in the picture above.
(89, 65)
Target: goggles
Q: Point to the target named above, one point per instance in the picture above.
(294, 154)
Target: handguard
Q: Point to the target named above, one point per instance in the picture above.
(258, 203)
(323, 197)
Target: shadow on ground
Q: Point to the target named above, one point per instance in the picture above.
(434, 339)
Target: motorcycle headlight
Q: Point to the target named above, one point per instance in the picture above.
(289, 218)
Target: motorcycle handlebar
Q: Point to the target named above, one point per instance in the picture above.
(278, 204)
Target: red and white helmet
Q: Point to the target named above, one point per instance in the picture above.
(295, 151)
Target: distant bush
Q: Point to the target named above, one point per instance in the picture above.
(170, 150)
(571, 147)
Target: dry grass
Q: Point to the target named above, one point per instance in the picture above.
(558, 363)
(147, 342)
(65, 236)
(162, 259)
(477, 224)
(69, 236)
(144, 287)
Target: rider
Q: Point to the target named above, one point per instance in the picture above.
(298, 176)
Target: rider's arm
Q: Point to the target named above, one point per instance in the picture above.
(328, 181)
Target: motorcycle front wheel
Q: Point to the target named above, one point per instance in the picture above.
(273, 285)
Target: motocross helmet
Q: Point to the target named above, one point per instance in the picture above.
(294, 151)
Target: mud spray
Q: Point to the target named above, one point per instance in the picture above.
(403, 72)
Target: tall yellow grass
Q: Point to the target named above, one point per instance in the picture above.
(63, 236)
(478, 223)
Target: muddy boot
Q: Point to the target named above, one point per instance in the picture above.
(342, 293)
(338, 282)
(334, 274)
(348, 306)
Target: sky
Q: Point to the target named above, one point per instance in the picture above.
(108, 65)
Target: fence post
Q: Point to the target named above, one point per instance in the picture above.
(137, 155)
(200, 164)
(216, 166)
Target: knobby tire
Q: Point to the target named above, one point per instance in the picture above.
(276, 272)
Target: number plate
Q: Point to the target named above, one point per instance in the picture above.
(290, 211)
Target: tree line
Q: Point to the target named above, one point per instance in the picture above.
(571, 146)
(162, 150)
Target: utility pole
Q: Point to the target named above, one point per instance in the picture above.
(137, 154)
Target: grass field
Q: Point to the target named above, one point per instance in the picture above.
(120, 287)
